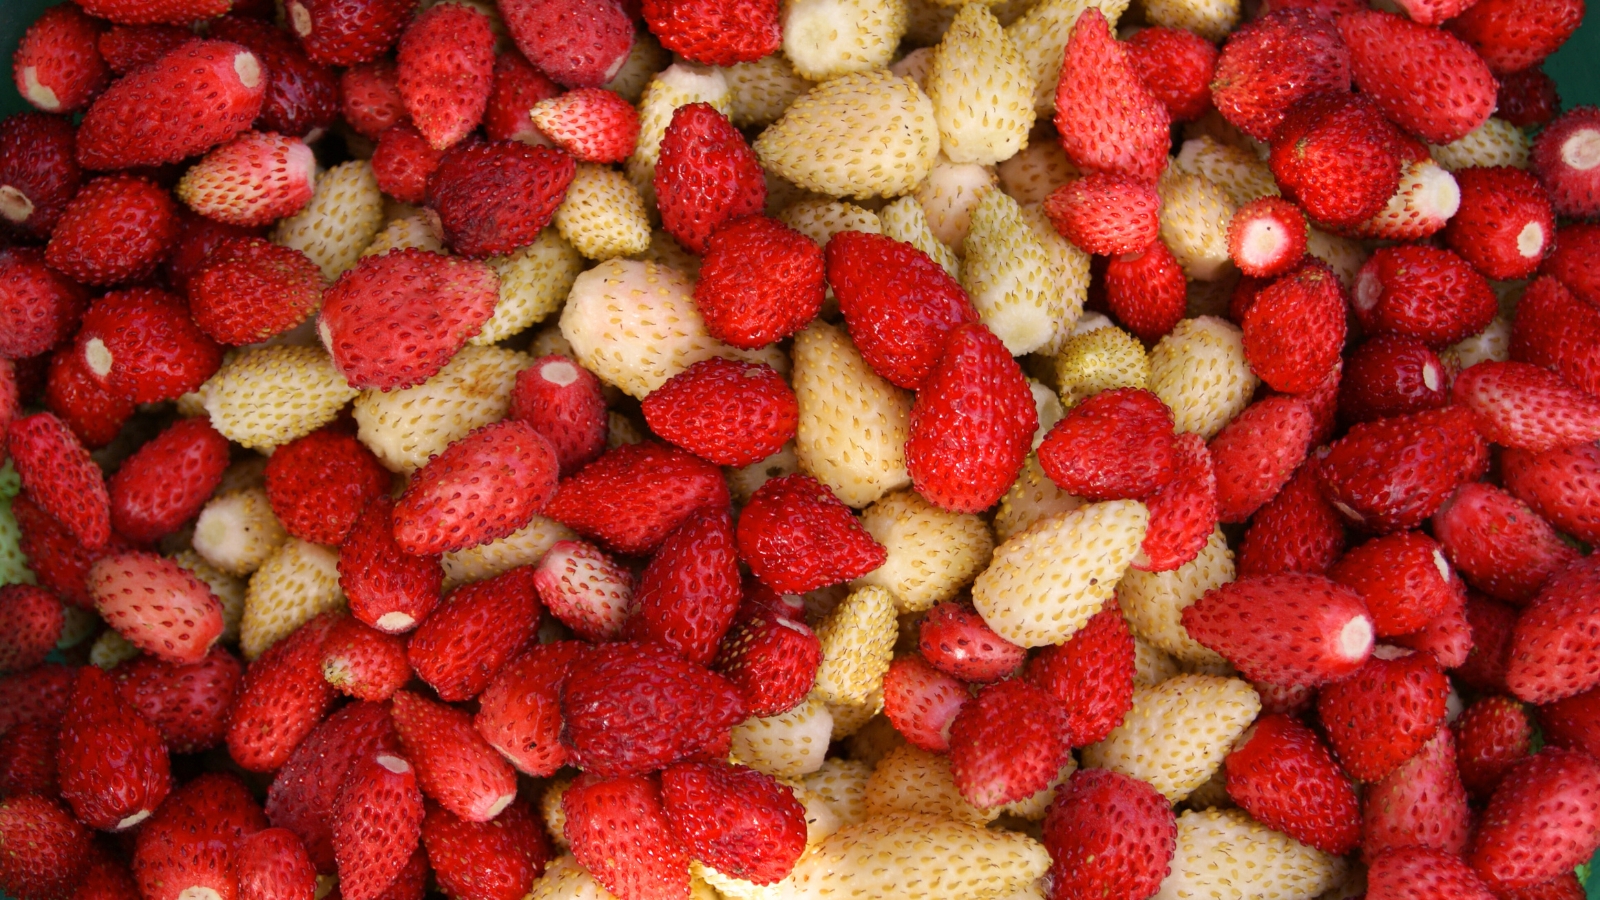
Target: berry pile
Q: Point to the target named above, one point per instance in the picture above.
(732, 450)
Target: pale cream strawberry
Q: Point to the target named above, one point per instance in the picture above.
(1240, 173)
(828, 38)
(905, 220)
(948, 196)
(343, 216)
(910, 780)
(111, 649)
(1030, 499)
(1342, 254)
(1046, 582)
(916, 64)
(917, 857)
(1225, 853)
(678, 85)
(534, 281)
(1195, 214)
(1425, 200)
(550, 810)
(602, 215)
(865, 134)
(1200, 372)
(932, 552)
(1178, 732)
(1047, 407)
(1153, 602)
(788, 745)
(1040, 168)
(404, 428)
(1211, 19)
(1099, 360)
(760, 91)
(874, 740)
(565, 879)
(645, 58)
(1492, 344)
(1010, 277)
(1494, 143)
(1213, 794)
(254, 179)
(819, 218)
(982, 90)
(1034, 807)
(413, 230)
(523, 547)
(843, 784)
(1151, 665)
(295, 585)
(664, 250)
(1040, 35)
(236, 531)
(271, 395)
(853, 424)
(228, 588)
(1069, 275)
(745, 481)
(857, 640)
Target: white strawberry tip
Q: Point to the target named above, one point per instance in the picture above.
(394, 622)
(1369, 289)
(248, 68)
(1439, 562)
(1264, 241)
(1453, 706)
(39, 95)
(1431, 378)
(1355, 638)
(300, 19)
(1581, 150)
(98, 357)
(1530, 241)
(199, 892)
(559, 372)
(1391, 652)
(133, 820)
(1437, 196)
(14, 204)
(395, 764)
(498, 806)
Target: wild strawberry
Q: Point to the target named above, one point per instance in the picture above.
(141, 344)
(165, 482)
(1424, 874)
(1116, 444)
(403, 161)
(347, 32)
(1527, 99)
(188, 704)
(496, 860)
(619, 831)
(1492, 736)
(1106, 213)
(1283, 774)
(592, 124)
(519, 713)
(1501, 546)
(1559, 485)
(1571, 722)
(165, 11)
(636, 707)
(1176, 65)
(1448, 636)
(1505, 224)
(301, 95)
(362, 662)
(113, 767)
(377, 823)
(518, 87)
(1336, 157)
(320, 484)
(1512, 40)
(42, 850)
(479, 217)
(1285, 629)
(1145, 290)
(954, 639)
(1420, 803)
(253, 179)
(1090, 676)
(459, 648)
(40, 307)
(634, 495)
(1382, 715)
(688, 594)
(1432, 12)
(446, 71)
(1426, 80)
(57, 64)
(707, 175)
(387, 588)
(1554, 329)
(369, 97)
(1571, 260)
(1554, 653)
(37, 695)
(28, 760)
(1183, 512)
(1391, 474)
(563, 402)
(33, 621)
(1527, 407)
(303, 794)
(61, 478)
(248, 290)
(128, 47)
(147, 117)
(1423, 292)
(1403, 578)
(454, 765)
(1274, 62)
(39, 176)
(59, 559)
(116, 229)
(585, 589)
(188, 845)
(272, 865)
(481, 488)
(283, 698)
(157, 605)
(716, 32)
(1295, 328)
(1256, 454)
(1109, 835)
(578, 43)
(1007, 743)
(796, 536)
(921, 702)
(1542, 820)
(1108, 120)
(1267, 237)
(1491, 623)
(759, 843)
(730, 412)
(1391, 375)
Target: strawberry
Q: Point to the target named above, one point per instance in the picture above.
(707, 175)
(1527, 407)
(141, 344)
(1256, 453)
(1501, 546)
(1492, 735)
(37, 695)
(1527, 99)
(303, 794)
(165, 482)
(633, 495)
(57, 64)
(1504, 225)
(479, 215)
(1183, 512)
(1295, 329)
(1421, 803)
(128, 47)
(1090, 676)
(28, 760)
(563, 402)
(157, 605)
(254, 179)
(32, 623)
(760, 281)
(347, 32)
(770, 658)
(496, 860)
(1176, 65)
(1553, 328)
(1555, 645)
(459, 648)
(1391, 474)
(585, 589)
(301, 96)
(481, 488)
(364, 663)
(592, 124)
(116, 229)
(412, 882)
(272, 865)
(42, 850)
(96, 415)
(377, 823)
(619, 832)
(796, 536)
(1145, 290)
(519, 713)
(1391, 375)
(387, 588)
(320, 484)
(1542, 820)
(1572, 722)
(1106, 213)
(1423, 874)
(1448, 636)
(40, 307)
(1562, 887)
(369, 95)
(1116, 444)
(441, 301)
(519, 87)
(898, 304)
(282, 699)
(59, 559)
(972, 423)
(688, 594)
(39, 173)
(188, 704)
(1274, 62)
(1559, 485)
(1403, 578)
(1512, 39)
(578, 43)
(1426, 80)
(716, 32)
(446, 71)
(1109, 835)
(1108, 120)
(113, 767)
(154, 11)
(1336, 156)
(187, 849)
(198, 236)
(147, 117)
(1285, 777)
(1384, 713)
(454, 765)
(730, 412)
(954, 639)
(60, 477)
(1267, 237)
(1571, 260)
(248, 290)
(1007, 743)
(633, 708)
(921, 702)
(403, 161)
(1287, 630)
(1491, 623)
(741, 822)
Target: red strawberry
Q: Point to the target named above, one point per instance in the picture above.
(1426, 80)
(303, 794)
(1295, 329)
(634, 708)
(42, 850)
(439, 301)
(320, 484)
(455, 766)
(148, 117)
(743, 823)
(1391, 375)
(1106, 213)
(459, 648)
(1505, 223)
(563, 402)
(633, 495)
(518, 87)
(1090, 676)
(369, 94)
(1572, 722)
(188, 704)
(387, 588)
(157, 605)
(403, 161)
(1422, 874)
(154, 11)
(116, 229)
(1007, 743)
(1403, 578)
(519, 713)
(771, 659)
(59, 559)
(58, 474)
(1419, 804)
(347, 32)
(1183, 512)
(446, 71)
(95, 414)
(1511, 38)
(585, 589)
(283, 698)
(1257, 452)
(954, 639)
(1267, 237)
(198, 236)
(377, 823)
(251, 181)
(796, 536)
(716, 32)
(1493, 735)
(1272, 63)
(1562, 887)
(481, 488)
(760, 281)
(128, 47)
(1336, 156)
(1392, 474)
(1501, 546)
(592, 124)
(187, 849)
(165, 482)
(921, 702)
(1108, 120)
(38, 173)
(1145, 290)
(1560, 485)
(480, 216)
(113, 766)
(1543, 819)
(1116, 444)
(496, 860)
(1176, 65)
(578, 43)
(301, 95)
(31, 620)
(730, 412)
(898, 304)
(688, 594)
(248, 290)
(707, 175)
(1287, 630)
(39, 308)
(972, 423)
(1109, 835)
(57, 64)
(1448, 636)
(620, 833)
(1527, 99)
(37, 695)
(1555, 329)
(1491, 622)
(412, 882)
(1555, 645)
(28, 761)
(272, 865)
(1571, 260)
(1527, 407)
(1382, 715)
(1285, 777)
(364, 663)
(141, 344)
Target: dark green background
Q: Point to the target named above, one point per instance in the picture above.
(1574, 68)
